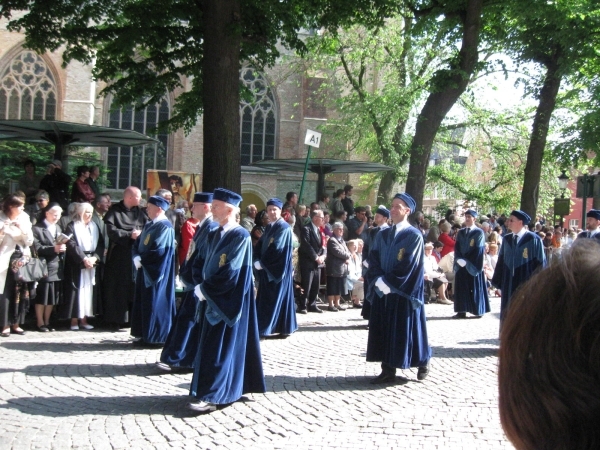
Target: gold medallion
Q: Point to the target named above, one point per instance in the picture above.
(271, 241)
(147, 239)
(472, 242)
(401, 254)
(222, 260)
(525, 254)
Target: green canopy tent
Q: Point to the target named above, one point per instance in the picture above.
(61, 134)
(322, 166)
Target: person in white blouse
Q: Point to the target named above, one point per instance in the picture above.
(435, 275)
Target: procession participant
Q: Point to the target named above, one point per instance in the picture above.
(275, 308)
(182, 342)
(154, 258)
(124, 222)
(228, 363)
(521, 254)
(382, 214)
(397, 326)
(469, 287)
(592, 223)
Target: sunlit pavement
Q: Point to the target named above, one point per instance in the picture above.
(72, 389)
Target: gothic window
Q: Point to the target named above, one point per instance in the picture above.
(27, 89)
(127, 165)
(257, 119)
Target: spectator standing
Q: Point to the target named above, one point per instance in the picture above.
(49, 289)
(57, 183)
(445, 239)
(311, 257)
(336, 204)
(355, 279)
(228, 362)
(41, 201)
(521, 254)
(248, 221)
(275, 308)
(324, 201)
(260, 223)
(470, 290)
(347, 201)
(92, 180)
(124, 222)
(15, 237)
(29, 182)
(84, 252)
(154, 259)
(397, 325)
(357, 225)
(81, 192)
(336, 265)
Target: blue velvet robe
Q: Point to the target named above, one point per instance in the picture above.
(470, 290)
(275, 308)
(228, 362)
(154, 299)
(397, 324)
(586, 235)
(516, 264)
(366, 307)
(182, 342)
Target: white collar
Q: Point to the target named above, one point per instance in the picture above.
(521, 233)
(160, 218)
(402, 225)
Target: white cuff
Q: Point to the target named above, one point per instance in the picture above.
(366, 264)
(198, 293)
(257, 265)
(137, 262)
(461, 262)
(382, 286)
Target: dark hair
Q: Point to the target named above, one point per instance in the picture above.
(359, 209)
(438, 244)
(177, 179)
(348, 187)
(28, 162)
(259, 217)
(339, 192)
(9, 201)
(290, 195)
(549, 359)
(81, 170)
(314, 205)
(323, 196)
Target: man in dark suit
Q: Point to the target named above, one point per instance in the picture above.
(310, 256)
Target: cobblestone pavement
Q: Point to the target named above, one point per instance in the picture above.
(93, 390)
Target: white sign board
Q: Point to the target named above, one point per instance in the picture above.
(312, 138)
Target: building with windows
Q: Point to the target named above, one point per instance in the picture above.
(273, 123)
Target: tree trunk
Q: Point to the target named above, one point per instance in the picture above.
(221, 95)
(537, 143)
(386, 185)
(439, 103)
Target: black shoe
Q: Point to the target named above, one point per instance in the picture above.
(316, 309)
(423, 372)
(19, 332)
(43, 329)
(460, 316)
(384, 377)
(303, 311)
(50, 328)
(332, 309)
(357, 305)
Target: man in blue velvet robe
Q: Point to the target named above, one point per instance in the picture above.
(181, 346)
(228, 362)
(153, 255)
(469, 287)
(521, 254)
(397, 324)
(275, 306)
(592, 225)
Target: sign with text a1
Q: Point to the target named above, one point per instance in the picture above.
(313, 138)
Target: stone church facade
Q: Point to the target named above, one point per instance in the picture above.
(34, 86)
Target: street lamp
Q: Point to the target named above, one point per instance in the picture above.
(563, 180)
(562, 206)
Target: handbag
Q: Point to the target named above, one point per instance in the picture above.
(29, 269)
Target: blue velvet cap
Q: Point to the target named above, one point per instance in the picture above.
(521, 216)
(595, 213)
(203, 197)
(410, 202)
(227, 196)
(471, 212)
(383, 211)
(275, 202)
(160, 202)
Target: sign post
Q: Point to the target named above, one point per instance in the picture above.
(312, 139)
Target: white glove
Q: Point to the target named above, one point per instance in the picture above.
(366, 264)
(198, 293)
(382, 286)
(461, 262)
(257, 265)
(137, 262)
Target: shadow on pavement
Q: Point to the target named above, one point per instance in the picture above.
(68, 347)
(321, 328)
(464, 352)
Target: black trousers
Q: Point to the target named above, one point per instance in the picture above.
(310, 281)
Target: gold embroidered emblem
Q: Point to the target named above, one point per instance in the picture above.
(525, 254)
(222, 260)
(401, 254)
(472, 243)
(147, 239)
(271, 241)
